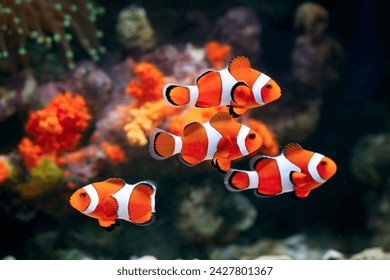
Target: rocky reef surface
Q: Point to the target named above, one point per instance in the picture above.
(67, 122)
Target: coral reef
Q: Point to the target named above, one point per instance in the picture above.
(223, 216)
(371, 160)
(113, 152)
(150, 109)
(53, 140)
(240, 28)
(217, 54)
(16, 94)
(134, 30)
(316, 57)
(376, 253)
(46, 23)
(57, 127)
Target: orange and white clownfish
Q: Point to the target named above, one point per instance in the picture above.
(221, 139)
(294, 170)
(114, 199)
(237, 86)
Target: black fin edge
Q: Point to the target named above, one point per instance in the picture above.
(167, 91)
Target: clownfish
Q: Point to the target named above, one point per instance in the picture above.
(237, 86)
(221, 139)
(294, 170)
(114, 199)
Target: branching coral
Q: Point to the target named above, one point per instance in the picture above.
(113, 152)
(149, 109)
(31, 153)
(140, 119)
(46, 22)
(217, 54)
(55, 129)
(150, 84)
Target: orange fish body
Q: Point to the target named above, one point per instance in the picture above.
(221, 140)
(294, 170)
(238, 86)
(114, 199)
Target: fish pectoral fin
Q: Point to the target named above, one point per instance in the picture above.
(299, 179)
(302, 193)
(222, 165)
(110, 208)
(240, 93)
(224, 144)
(236, 111)
(107, 223)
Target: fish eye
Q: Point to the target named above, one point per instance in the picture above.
(323, 163)
(269, 86)
(83, 194)
(252, 136)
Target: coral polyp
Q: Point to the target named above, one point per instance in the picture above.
(47, 23)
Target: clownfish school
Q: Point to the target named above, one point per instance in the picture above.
(221, 140)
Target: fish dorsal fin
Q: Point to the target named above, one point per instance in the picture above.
(292, 148)
(116, 181)
(238, 63)
(191, 128)
(220, 116)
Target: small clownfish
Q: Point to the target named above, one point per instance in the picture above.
(294, 170)
(237, 86)
(221, 139)
(114, 199)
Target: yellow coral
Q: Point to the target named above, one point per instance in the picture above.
(142, 117)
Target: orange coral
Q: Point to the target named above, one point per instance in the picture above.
(113, 152)
(57, 127)
(31, 153)
(150, 109)
(217, 54)
(4, 172)
(150, 85)
(178, 122)
(270, 145)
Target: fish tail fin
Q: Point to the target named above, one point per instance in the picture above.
(178, 95)
(239, 180)
(142, 203)
(163, 144)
